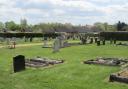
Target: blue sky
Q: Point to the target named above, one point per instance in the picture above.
(64, 11)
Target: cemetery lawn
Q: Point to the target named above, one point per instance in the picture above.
(73, 74)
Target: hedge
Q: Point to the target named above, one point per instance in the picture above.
(119, 35)
(20, 35)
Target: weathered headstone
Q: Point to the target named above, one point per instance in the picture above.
(114, 41)
(111, 41)
(84, 40)
(95, 40)
(19, 63)
(62, 38)
(61, 41)
(98, 42)
(103, 42)
(91, 40)
(45, 42)
(31, 39)
(8, 42)
(56, 45)
(13, 43)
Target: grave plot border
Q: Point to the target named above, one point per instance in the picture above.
(116, 78)
(41, 63)
(93, 61)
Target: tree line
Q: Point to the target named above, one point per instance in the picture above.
(24, 27)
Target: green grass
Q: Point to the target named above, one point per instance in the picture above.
(70, 75)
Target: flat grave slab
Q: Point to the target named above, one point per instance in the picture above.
(42, 62)
(107, 61)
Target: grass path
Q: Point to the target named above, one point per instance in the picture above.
(25, 45)
(33, 44)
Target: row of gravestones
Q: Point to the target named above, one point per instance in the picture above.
(59, 43)
(99, 41)
(103, 42)
(90, 40)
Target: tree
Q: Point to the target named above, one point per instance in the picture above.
(120, 26)
(105, 26)
(126, 28)
(12, 26)
(102, 26)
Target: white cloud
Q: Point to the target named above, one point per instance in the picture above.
(75, 11)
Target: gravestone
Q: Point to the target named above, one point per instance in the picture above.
(114, 41)
(91, 40)
(95, 40)
(84, 40)
(8, 42)
(56, 45)
(61, 41)
(45, 42)
(13, 43)
(19, 63)
(98, 42)
(103, 42)
(111, 41)
(62, 38)
(31, 39)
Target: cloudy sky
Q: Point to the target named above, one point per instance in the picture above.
(64, 11)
